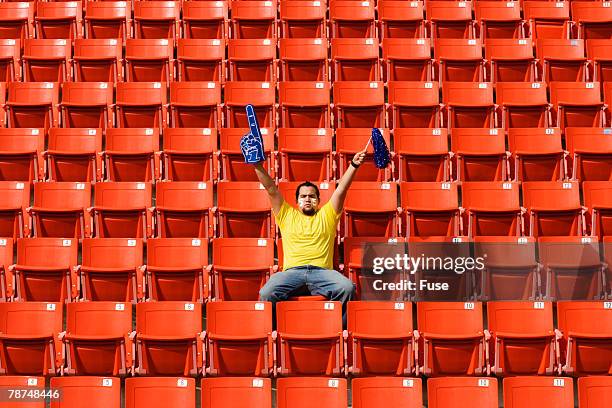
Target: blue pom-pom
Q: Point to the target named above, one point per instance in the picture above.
(382, 157)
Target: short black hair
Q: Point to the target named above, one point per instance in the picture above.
(306, 184)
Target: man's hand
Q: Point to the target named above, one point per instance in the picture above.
(359, 157)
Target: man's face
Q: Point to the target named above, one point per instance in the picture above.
(307, 200)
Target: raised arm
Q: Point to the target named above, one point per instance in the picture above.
(276, 198)
(337, 199)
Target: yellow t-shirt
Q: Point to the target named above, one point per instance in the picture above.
(308, 240)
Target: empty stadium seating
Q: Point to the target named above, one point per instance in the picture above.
(131, 154)
(232, 392)
(73, 154)
(297, 392)
(105, 391)
(538, 392)
(386, 390)
(457, 391)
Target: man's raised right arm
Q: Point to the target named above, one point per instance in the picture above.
(276, 198)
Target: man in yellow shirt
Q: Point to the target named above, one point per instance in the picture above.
(308, 240)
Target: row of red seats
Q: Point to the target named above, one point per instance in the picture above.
(372, 209)
(231, 392)
(505, 60)
(47, 269)
(450, 339)
(356, 104)
(442, 19)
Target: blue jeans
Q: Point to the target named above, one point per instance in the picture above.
(318, 281)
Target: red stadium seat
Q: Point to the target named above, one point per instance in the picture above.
(231, 161)
(25, 383)
(459, 60)
(305, 154)
(60, 210)
(74, 154)
(594, 20)
(589, 153)
(241, 266)
(232, 392)
(169, 338)
(371, 210)
(480, 154)
(352, 19)
(239, 336)
(492, 209)
(414, 105)
(571, 268)
(587, 329)
(594, 392)
(349, 141)
(149, 60)
(96, 390)
(243, 210)
(523, 340)
(141, 104)
(32, 105)
(132, 154)
(597, 196)
(380, 338)
(370, 391)
(407, 59)
(599, 52)
(195, 104)
(112, 270)
(157, 19)
(498, 20)
(182, 209)
(553, 208)
(469, 105)
(303, 59)
(97, 60)
(399, 19)
(10, 55)
(46, 60)
(547, 20)
(122, 210)
(447, 392)
(205, 20)
(200, 59)
(14, 219)
(562, 59)
(177, 269)
(189, 154)
(108, 20)
(422, 154)
(43, 270)
(59, 20)
(532, 392)
(537, 154)
(452, 338)
(577, 104)
(450, 19)
(523, 105)
(21, 154)
(160, 392)
(430, 209)
(355, 59)
(256, 19)
(511, 271)
(310, 341)
(359, 104)
(261, 95)
(29, 341)
(97, 339)
(303, 19)
(304, 104)
(252, 60)
(510, 60)
(87, 105)
(17, 20)
(300, 392)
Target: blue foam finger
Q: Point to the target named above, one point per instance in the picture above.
(253, 122)
(251, 144)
